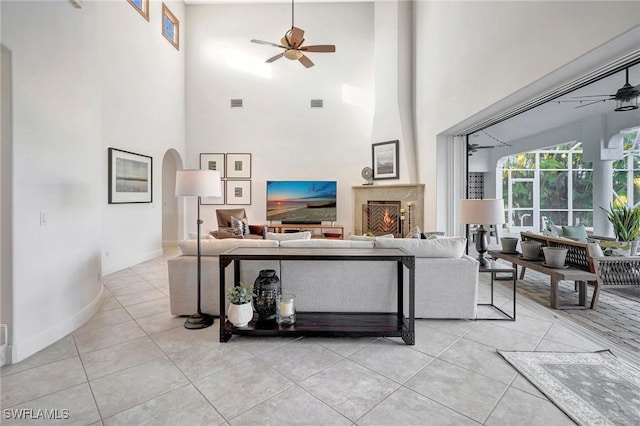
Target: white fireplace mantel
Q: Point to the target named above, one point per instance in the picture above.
(392, 192)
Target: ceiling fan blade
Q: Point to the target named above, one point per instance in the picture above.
(319, 48)
(591, 103)
(267, 43)
(305, 61)
(278, 56)
(295, 37)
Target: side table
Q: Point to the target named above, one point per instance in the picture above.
(493, 268)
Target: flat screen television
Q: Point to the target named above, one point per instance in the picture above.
(296, 201)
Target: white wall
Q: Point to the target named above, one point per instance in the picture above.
(287, 139)
(142, 101)
(83, 80)
(470, 55)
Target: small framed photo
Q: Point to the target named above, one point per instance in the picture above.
(130, 177)
(170, 27)
(212, 162)
(238, 166)
(142, 6)
(239, 192)
(385, 160)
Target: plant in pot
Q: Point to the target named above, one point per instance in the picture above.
(626, 223)
(240, 310)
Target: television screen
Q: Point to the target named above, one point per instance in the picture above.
(301, 201)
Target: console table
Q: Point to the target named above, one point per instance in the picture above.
(378, 324)
(555, 276)
(328, 231)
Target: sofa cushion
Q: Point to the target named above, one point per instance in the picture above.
(215, 247)
(579, 233)
(368, 238)
(327, 243)
(449, 247)
(287, 236)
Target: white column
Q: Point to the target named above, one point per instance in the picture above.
(602, 196)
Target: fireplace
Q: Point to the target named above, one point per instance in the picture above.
(382, 218)
(404, 192)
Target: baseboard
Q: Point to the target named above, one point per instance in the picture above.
(110, 269)
(169, 244)
(22, 350)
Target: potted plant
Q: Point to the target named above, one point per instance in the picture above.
(240, 309)
(626, 222)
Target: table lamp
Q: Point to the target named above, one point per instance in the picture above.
(479, 212)
(200, 183)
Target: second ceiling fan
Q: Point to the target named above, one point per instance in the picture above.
(292, 43)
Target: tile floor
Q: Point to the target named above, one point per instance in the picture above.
(133, 363)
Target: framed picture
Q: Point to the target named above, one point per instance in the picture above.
(170, 27)
(239, 166)
(239, 192)
(130, 177)
(212, 162)
(142, 6)
(385, 160)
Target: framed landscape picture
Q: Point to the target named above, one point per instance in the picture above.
(385, 159)
(239, 192)
(130, 177)
(238, 166)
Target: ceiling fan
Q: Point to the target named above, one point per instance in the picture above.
(292, 45)
(626, 97)
(474, 147)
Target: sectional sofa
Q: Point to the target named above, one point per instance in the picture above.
(446, 280)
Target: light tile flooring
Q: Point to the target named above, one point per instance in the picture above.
(133, 363)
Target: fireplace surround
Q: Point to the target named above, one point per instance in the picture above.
(402, 193)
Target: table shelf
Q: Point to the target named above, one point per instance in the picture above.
(327, 324)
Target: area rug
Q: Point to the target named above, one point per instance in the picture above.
(594, 388)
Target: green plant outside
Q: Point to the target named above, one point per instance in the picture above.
(625, 220)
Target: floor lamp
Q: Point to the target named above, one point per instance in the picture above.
(479, 212)
(200, 183)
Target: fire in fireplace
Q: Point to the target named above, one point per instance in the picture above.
(382, 217)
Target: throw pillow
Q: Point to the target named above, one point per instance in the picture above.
(579, 233)
(306, 235)
(616, 248)
(595, 250)
(223, 233)
(553, 230)
(241, 224)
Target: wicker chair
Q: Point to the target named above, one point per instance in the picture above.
(615, 272)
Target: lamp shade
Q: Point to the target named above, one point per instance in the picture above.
(202, 183)
(489, 211)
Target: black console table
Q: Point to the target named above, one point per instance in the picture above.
(394, 324)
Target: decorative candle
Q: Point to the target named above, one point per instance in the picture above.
(401, 210)
(401, 217)
(409, 203)
(286, 308)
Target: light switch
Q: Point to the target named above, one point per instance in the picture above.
(44, 218)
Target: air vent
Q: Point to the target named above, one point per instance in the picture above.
(236, 103)
(316, 103)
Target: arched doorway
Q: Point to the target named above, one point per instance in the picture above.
(171, 209)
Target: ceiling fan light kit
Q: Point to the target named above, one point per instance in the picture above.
(292, 42)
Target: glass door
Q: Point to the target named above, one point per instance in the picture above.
(524, 203)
